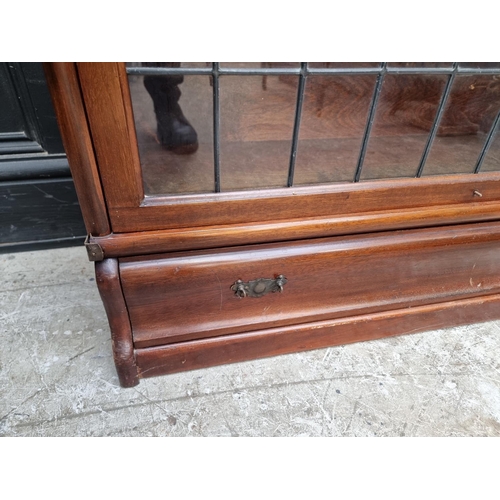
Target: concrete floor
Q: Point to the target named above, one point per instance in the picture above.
(57, 376)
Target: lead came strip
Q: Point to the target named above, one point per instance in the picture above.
(216, 115)
(369, 122)
(437, 120)
(487, 144)
(296, 127)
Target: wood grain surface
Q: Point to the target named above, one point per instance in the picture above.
(108, 282)
(188, 295)
(112, 133)
(64, 88)
(197, 238)
(332, 200)
(197, 354)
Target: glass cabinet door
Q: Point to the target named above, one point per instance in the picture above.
(197, 144)
(256, 118)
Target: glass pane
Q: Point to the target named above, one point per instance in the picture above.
(492, 159)
(254, 65)
(256, 126)
(405, 113)
(479, 65)
(170, 64)
(325, 65)
(469, 114)
(420, 65)
(174, 123)
(334, 116)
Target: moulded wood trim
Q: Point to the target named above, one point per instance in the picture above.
(172, 240)
(188, 295)
(112, 134)
(313, 201)
(64, 88)
(132, 136)
(198, 354)
(108, 282)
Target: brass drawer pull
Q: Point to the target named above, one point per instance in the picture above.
(259, 287)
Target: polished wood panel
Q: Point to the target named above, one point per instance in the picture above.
(311, 201)
(108, 282)
(113, 132)
(196, 238)
(188, 295)
(197, 354)
(64, 87)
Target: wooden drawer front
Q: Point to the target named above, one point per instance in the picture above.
(179, 297)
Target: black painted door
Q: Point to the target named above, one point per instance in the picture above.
(38, 204)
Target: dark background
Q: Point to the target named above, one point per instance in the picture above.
(38, 204)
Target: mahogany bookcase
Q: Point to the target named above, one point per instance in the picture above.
(243, 210)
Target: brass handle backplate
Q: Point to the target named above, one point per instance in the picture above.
(259, 287)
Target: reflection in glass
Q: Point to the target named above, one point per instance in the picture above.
(174, 124)
(420, 65)
(343, 65)
(254, 65)
(405, 113)
(333, 122)
(170, 65)
(479, 65)
(256, 127)
(492, 158)
(468, 116)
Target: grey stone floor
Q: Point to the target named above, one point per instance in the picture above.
(57, 376)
